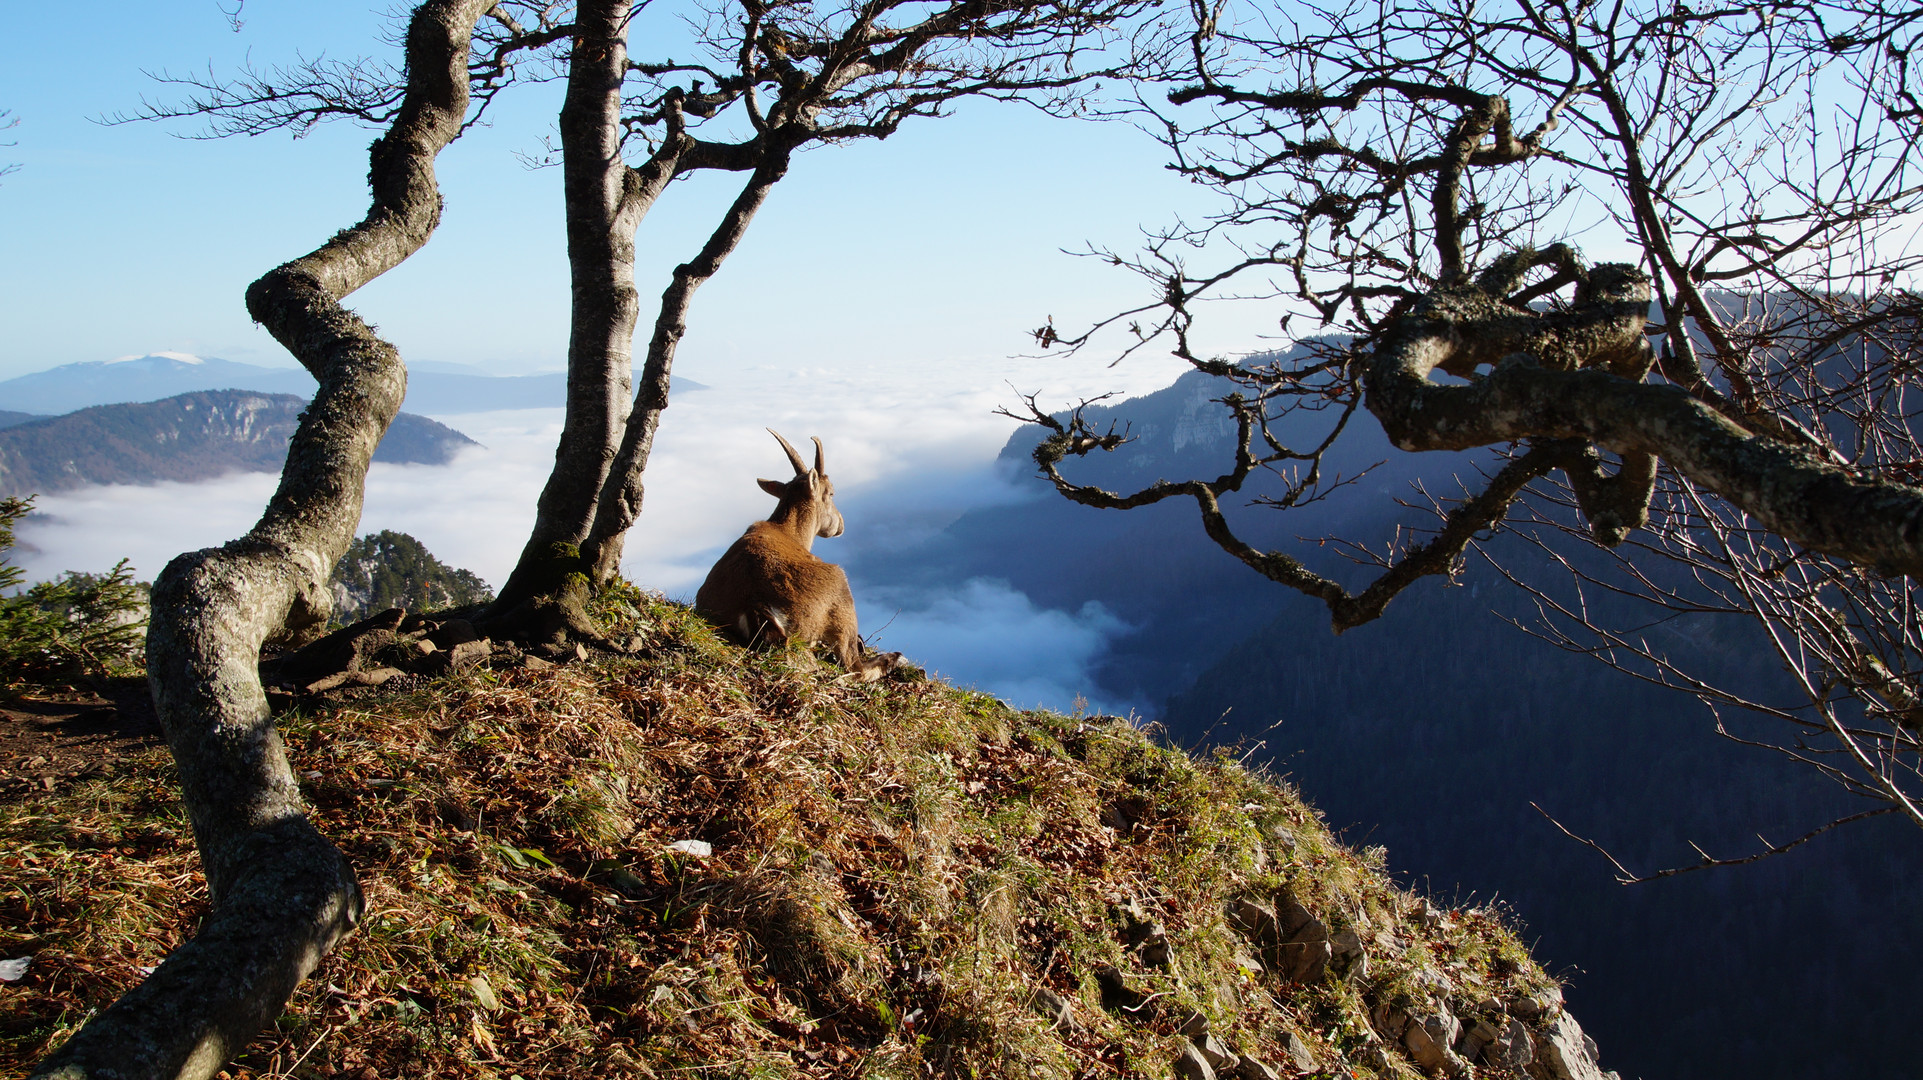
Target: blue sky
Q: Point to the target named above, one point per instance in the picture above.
(942, 243)
(879, 300)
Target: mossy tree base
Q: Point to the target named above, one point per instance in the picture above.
(546, 604)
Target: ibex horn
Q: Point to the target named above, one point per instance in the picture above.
(819, 467)
(793, 457)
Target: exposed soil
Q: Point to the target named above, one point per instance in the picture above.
(49, 739)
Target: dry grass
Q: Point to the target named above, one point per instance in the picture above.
(895, 870)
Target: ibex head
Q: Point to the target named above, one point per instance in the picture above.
(807, 503)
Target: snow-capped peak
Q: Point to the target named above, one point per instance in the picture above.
(185, 358)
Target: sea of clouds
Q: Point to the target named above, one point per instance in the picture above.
(911, 447)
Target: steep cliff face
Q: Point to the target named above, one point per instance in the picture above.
(695, 860)
(188, 437)
(1433, 730)
(1183, 600)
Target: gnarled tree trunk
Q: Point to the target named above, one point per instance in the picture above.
(620, 501)
(282, 894)
(593, 495)
(605, 202)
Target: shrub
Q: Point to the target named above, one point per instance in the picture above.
(77, 624)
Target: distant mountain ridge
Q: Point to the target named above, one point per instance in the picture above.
(1432, 729)
(187, 437)
(150, 378)
(1184, 599)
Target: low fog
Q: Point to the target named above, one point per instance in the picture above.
(910, 447)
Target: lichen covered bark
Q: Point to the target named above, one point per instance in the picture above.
(619, 504)
(606, 200)
(1577, 375)
(282, 894)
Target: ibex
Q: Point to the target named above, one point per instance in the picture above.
(770, 588)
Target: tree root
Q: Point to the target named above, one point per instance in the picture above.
(394, 643)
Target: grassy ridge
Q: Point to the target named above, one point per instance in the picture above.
(701, 861)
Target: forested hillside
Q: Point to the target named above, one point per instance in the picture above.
(393, 570)
(189, 437)
(431, 389)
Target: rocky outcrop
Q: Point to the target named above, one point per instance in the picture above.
(1426, 1009)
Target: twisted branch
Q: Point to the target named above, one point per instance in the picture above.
(282, 894)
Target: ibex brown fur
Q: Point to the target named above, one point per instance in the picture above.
(770, 588)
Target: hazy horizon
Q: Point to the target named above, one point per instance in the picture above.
(130, 238)
(910, 451)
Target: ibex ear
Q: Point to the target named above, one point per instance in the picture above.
(773, 487)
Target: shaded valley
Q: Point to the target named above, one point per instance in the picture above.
(1432, 730)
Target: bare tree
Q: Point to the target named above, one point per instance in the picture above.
(778, 77)
(8, 122)
(791, 74)
(772, 79)
(1417, 177)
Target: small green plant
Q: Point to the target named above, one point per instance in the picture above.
(76, 624)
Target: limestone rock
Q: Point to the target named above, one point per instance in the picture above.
(1511, 1048)
(1135, 923)
(1299, 1056)
(1347, 957)
(1191, 1066)
(1290, 913)
(1389, 1021)
(1216, 1052)
(1250, 1069)
(1475, 1037)
(1530, 1006)
(1057, 1009)
(1255, 921)
(1156, 954)
(1566, 1052)
(1375, 1056)
(1117, 995)
(1142, 931)
(1429, 1038)
(1304, 953)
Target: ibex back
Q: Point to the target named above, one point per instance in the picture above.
(770, 588)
